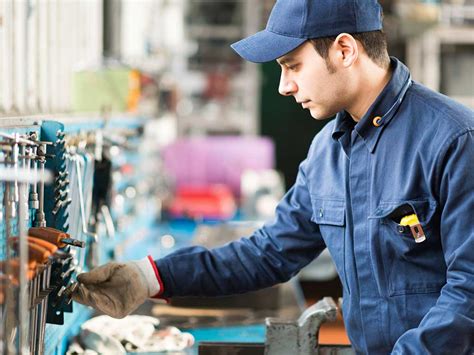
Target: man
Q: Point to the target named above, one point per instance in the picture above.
(395, 152)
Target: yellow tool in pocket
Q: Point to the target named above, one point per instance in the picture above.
(415, 227)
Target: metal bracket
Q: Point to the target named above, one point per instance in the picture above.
(299, 337)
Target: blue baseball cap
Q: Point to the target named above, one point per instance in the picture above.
(292, 22)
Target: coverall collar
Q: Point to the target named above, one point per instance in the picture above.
(384, 107)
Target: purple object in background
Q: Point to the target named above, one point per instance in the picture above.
(217, 160)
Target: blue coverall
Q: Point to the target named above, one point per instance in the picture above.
(357, 181)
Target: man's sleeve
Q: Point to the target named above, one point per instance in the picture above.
(448, 328)
(273, 254)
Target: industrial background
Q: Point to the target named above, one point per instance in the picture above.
(130, 127)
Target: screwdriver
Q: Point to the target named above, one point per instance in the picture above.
(40, 242)
(43, 243)
(36, 252)
(14, 264)
(68, 292)
(55, 236)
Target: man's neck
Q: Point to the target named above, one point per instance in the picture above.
(373, 80)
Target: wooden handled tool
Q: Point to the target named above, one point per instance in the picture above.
(55, 236)
(40, 242)
(43, 243)
(35, 252)
(14, 265)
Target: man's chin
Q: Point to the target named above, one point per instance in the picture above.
(319, 116)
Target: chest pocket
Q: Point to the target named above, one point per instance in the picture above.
(328, 211)
(410, 267)
(330, 215)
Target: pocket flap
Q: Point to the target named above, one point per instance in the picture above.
(424, 209)
(328, 211)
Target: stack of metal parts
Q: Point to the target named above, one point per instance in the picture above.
(36, 263)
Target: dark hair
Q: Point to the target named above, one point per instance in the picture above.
(374, 43)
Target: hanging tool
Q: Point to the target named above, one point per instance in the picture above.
(55, 237)
(33, 197)
(41, 156)
(60, 205)
(41, 252)
(19, 280)
(14, 265)
(69, 291)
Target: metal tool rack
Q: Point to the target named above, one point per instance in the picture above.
(51, 232)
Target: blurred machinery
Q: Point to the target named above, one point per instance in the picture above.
(440, 45)
(221, 95)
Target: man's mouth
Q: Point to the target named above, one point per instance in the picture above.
(305, 103)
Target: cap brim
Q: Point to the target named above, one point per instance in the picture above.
(265, 46)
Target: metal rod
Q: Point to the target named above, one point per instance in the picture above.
(23, 257)
(81, 202)
(40, 217)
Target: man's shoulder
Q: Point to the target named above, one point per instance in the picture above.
(440, 110)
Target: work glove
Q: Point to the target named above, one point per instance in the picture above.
(117, 289)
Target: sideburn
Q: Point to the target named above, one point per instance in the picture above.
(330, 66)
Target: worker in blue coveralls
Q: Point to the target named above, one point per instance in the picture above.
(387, 187)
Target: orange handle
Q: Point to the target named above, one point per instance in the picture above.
(40, 242)
(50, 235)
(38, 253)
(43, 243)
(15, 265)
(35, 252)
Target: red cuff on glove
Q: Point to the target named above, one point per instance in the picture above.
(158, 277)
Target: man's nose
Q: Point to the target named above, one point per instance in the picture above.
(287, 87)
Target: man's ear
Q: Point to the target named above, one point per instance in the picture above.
(345, 49)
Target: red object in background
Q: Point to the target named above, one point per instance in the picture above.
(208, 202)
(127, 169)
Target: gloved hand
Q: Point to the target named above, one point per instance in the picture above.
(117, 289)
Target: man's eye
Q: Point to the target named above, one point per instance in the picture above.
(292, 67)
